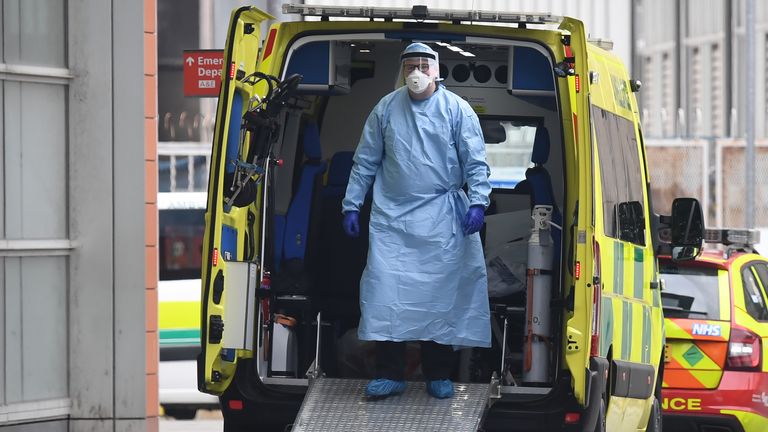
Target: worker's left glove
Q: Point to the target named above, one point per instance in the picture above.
(474, 219)
(351, 223)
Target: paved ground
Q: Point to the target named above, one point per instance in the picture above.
(205, 421)
(191, 425)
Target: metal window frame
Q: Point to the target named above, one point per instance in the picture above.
(185, 149)
(36, 74)
(49, 409)
(41, 247)
(35, 247)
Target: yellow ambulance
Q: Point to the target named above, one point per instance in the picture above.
(280, 280)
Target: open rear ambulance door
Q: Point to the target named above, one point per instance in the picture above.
(578, 324)
(230, 267)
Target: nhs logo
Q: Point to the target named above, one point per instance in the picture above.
(707, 330)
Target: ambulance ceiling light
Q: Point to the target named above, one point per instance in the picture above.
(456, 49)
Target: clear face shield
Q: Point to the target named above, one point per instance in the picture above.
(419, 72)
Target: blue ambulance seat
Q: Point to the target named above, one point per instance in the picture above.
(540, 184)
(279, 230)
(341, 259)
(338, 174)
(297, 219)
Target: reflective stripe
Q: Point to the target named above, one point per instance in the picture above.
(606, 327)
(677, 377)
(618, 268)
(749, 421)
(646, 334)
(626, 338)
(638, 269)
(697, 351)
(681, 328)
(180, 336)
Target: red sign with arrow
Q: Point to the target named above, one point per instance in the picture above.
(202, 72)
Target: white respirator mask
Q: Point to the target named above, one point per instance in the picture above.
(418, 82)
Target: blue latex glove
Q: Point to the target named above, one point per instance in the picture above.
(474, 219)
(352, 223)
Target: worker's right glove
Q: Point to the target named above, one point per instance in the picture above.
(352, 223)
(474, 219)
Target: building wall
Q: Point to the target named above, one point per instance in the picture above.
(692, 62)
(690, 57)
(76, 218)
(150, 208)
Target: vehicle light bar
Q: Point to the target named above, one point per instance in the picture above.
(731, 236)
(605, 44)
(420, 13)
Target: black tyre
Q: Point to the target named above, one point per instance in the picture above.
(181, 413)
(238, 427)
(654, 421)
(600, 424)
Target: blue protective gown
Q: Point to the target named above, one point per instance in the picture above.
(424, 279)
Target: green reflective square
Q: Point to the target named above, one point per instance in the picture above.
(693, 355)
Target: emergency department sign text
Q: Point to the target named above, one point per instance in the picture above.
(202, 72)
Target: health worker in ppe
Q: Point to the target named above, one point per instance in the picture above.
(425, 278)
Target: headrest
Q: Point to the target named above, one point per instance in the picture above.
(493, 131)
(540, 153)
(341, 166)
(312, 142)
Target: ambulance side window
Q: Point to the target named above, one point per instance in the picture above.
(754, 297)
(621, 176)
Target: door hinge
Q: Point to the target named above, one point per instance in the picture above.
(575, 340)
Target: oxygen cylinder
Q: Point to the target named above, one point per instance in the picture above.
(539, 292)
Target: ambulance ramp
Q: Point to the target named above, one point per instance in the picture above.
(340, 405)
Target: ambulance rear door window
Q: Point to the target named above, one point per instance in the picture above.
(690, 292)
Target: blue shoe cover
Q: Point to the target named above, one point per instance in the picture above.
(441, 389)
(382, 387)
